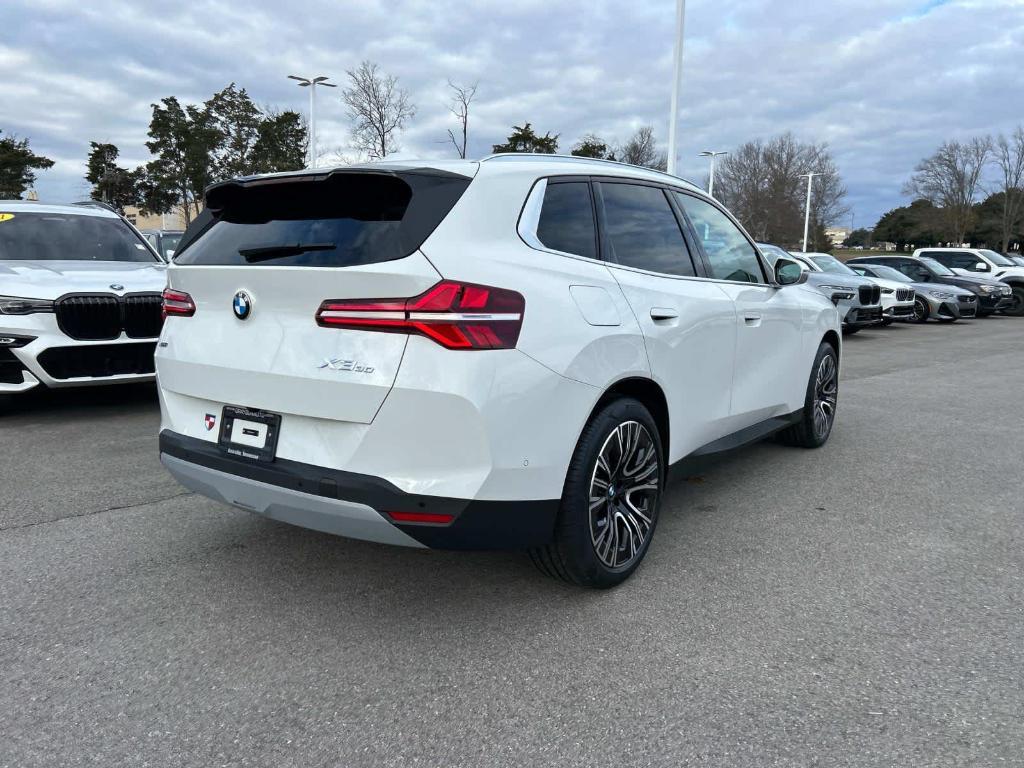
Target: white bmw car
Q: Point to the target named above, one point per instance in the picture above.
(80, 298)
(510, 353)
(897, 298)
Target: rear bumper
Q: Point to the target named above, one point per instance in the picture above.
(351, 504)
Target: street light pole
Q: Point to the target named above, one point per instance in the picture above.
(677, 77)
(312, 83)
(711, 179)
(807, 213)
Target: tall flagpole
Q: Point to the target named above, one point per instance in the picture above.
(677, 78)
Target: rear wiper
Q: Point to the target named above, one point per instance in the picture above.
(264, 252)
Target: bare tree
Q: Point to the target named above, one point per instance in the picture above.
(378, 109)
(642, 149)
(1009, 156)
(458, 105)
(760, 183)
(950, 180)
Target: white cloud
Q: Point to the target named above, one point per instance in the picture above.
(883, 82)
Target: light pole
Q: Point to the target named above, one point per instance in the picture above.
(807, 213)
(312, 83)
(711, 179)
(677, 77)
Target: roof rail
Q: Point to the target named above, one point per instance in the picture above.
(97, 204)
(577, 159)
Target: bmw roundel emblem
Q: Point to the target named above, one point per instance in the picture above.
(242, 305)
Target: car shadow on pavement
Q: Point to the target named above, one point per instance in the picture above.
(81, 402)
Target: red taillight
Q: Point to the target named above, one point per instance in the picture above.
(178, 304)
(420, 517)
(455, 315)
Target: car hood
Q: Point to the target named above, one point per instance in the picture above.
(831, 278)
(52, 279)
(963, 281)
(946, 287)
(884, 283)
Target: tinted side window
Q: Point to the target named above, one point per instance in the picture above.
(958, 260)
(642, 230)
(730, 254)
(567, 219)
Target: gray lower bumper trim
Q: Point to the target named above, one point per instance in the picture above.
(343, 518)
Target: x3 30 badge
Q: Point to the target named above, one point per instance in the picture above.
(338, 364)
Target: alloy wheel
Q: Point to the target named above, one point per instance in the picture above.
(920, 311)
(826, 395)
(624, 488)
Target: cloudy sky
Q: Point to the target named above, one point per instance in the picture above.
(882, 81)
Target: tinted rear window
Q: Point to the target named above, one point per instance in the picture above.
(643, 231)
(567, 219)
(338, 220)
(68, 237)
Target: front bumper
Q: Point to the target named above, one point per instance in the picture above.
(351, 504)
(989, 304)
(859, 317)
(899, 312)
(45, 356)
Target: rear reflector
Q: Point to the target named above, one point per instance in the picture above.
(178, 304)
(455, 315)
(420, 517)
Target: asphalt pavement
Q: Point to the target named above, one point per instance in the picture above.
(859, 605)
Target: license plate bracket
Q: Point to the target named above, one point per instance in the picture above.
(249, 433)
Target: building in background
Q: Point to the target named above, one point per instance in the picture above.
(173, 220)
(837, 235)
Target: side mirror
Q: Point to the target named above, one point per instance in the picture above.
(981, 266)
(789, 272)
(924, 275)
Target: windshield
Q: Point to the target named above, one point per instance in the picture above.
(833, 265)
(68, 237)
(1018, 260)
(772, 252)
(997, 258)
(888, 273)
(936, 268)
(169, 244)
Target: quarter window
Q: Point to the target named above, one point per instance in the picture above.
(642, 230)
(730, 254)
(567, 219)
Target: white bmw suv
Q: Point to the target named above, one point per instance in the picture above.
(510, 353)
(80, 298)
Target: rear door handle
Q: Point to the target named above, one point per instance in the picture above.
(663, 313)
(752, 319)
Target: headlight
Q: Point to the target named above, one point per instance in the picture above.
(15, 305)
(1006, 290)
(837, 288)
(989, 288)
(887, 291)
(940, 295)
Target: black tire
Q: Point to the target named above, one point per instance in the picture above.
(921, 310)
(886, 322)
(813, 429)
(850, 331)
(573, 554)
(947, 319)
(1017, 308)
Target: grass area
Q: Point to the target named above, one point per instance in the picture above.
(845, 253)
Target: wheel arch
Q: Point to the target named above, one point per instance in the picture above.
(651, 396)
(832, 339)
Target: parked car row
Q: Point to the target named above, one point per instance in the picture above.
(508, 353)
(912, 288)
